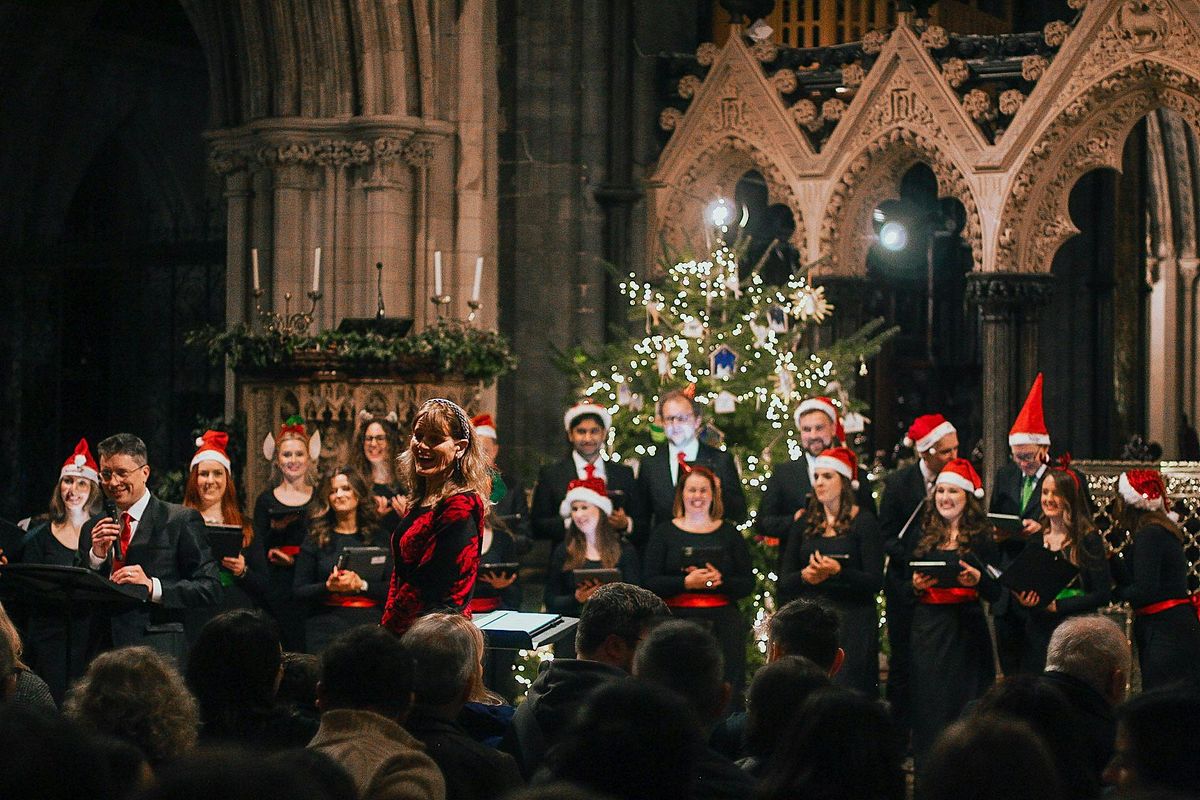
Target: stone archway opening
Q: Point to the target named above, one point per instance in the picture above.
(770, 228)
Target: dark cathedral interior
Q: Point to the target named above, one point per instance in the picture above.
(600, 399)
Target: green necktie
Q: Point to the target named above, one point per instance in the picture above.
(1026, 491)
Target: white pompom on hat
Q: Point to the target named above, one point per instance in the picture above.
(80, 464)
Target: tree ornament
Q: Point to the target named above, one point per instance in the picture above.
(693, 329)
(811, 304)
(725, 403)
(723, 361)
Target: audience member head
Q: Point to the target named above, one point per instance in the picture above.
(777, 692)
(234, 668)
(1158, 744)
(806, 628)
(1036, 701)
(319, 770)
(614, 620)
(998, 757)
(127, 764)
(630, 741)
(136, 694)
(227, 773)
(298, 686)
(840, 744)
(1092, 649)
(10, 655)
(49, 757)
(685, 658)
(367, 669)
(446, 650)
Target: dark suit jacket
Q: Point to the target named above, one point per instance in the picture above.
(169, 544)
(654, 477)
(514, 508)
(903, 491)
(552, 488)
(787, 492)
(1006, 493)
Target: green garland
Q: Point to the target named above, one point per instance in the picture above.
(445, 348)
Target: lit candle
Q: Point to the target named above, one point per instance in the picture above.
(437, 272)
(254, 265)
(317, 270)
(478, 278)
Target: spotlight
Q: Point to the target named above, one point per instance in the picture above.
(718, 213)
(893, 236)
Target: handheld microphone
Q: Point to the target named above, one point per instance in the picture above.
(110, 508)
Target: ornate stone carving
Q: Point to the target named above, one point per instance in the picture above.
(956, 72)
(1004, 294)
(934, 37)
(669, 118)
(765, 51)
(785, 81)
(1055, 33)
(688, 86)
(1033, 67)
(296, 152)
(873, 42)
(341, 152)
(419, 151)
(853, 75)
(706, 54)
(1143, 24)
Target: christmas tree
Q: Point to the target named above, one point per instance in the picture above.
(742, 345)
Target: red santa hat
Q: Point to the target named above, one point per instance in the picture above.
(80, 464)
(586, 407)
(926, 430)
(1143, 488)
(590, 490)
(827, 407)
(962, 474)
(842, 461)
(484, 426)
(214, 446)
(1030, 427)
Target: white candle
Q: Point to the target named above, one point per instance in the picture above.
(478, 278)
(254, 265)
(317, 270)
(437, 272)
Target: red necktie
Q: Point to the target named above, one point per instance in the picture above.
(684, 469)
(126, 536)
(589, 471)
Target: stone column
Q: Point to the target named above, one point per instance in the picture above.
(1008, 305)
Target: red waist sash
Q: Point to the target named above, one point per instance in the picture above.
(697, 600)
(769, 541)
(292, 550)
(350, 601)
(1163, 605)
(482, 605)
(939, 597)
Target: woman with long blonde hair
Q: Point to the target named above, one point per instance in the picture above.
(436, 545)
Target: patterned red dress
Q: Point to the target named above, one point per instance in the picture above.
(436, 552)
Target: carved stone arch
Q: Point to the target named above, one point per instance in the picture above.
(715, 173)
(874, 175)
(1089, 133)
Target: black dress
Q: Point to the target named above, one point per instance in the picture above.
(951, 649)
(560, 585)
(1153, 570)
(851, 592)
(277, 525)
(326, 614)
(1090, 591)
(504, 549)
(389, 519)
(251, 590)
(665, 559)
(46, 631)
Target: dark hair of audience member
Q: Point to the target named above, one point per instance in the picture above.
(619, 609)
(227, 773)
(49, 757)
(840, 745)
(319, 769)
(367, 668)
(805, 628)
(126, 763)
(631, 741)
(1158, 741)
(684, 657)
(777, 693)
(558, 790)
(298, 686)
(233, 669)
(1033, 700)
(447, 659)
(136, 694)
(999, 757)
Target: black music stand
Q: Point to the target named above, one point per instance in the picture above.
(516, 630)
(67, 589)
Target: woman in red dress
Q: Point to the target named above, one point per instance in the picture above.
(436, 545)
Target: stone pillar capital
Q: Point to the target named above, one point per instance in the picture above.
(1004, 295)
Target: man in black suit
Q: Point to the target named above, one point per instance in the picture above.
(658, 475)
(790, 484)
(508, 495)
(587, 425)
(161, 546)
(935, 442)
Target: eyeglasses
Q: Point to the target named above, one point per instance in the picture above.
(380, 438)
(1025, 458)
(121, 474)
(679, 418)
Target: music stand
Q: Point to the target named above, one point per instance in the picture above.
(515, 630)
(65, 589)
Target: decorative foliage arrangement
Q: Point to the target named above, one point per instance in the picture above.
(445, 348)
(743, 345)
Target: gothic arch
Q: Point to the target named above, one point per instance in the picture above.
(714, 174)
(1089, 133)
(874, 175)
